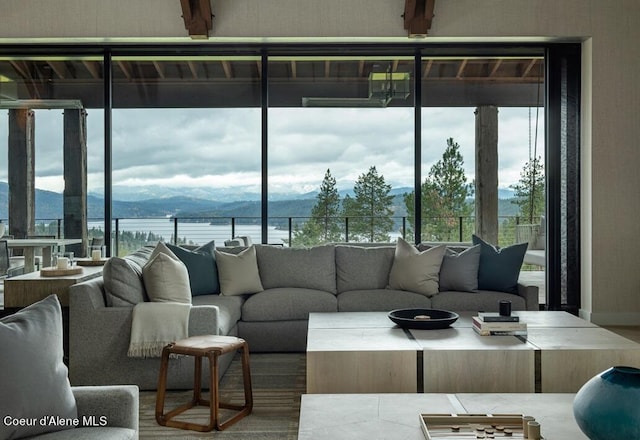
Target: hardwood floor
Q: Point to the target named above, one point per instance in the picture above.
(629, 332)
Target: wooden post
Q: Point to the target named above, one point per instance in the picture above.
(75, 179)
(487, 173)
(21, 172)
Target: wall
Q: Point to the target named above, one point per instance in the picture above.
(611, 91)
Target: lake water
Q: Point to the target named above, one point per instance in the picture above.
(196, 233)
(201, 233)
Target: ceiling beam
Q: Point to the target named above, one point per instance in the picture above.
(418, 15)
(197, 18)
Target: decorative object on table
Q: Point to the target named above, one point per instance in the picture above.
(504, 307)
(472, 426)
(70, 256)
(499, 328)
(496, 317)
(91, 262)
(63, 263)
(606, 407)
(424, 319)
(58, 272)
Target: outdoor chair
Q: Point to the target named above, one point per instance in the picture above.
(8, 267)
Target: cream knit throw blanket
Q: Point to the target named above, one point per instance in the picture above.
(156, 324)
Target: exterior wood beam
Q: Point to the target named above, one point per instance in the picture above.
(418, 15)
(197, 18)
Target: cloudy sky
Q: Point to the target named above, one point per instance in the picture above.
(220, 148)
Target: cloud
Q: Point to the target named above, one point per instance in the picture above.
(222, 147)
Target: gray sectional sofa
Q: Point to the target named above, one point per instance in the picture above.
(295, 282)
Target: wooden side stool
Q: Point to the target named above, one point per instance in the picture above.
(212, 347)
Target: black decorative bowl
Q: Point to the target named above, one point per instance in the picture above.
(423, 319)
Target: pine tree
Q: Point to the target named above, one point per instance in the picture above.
(530, 191)
(324, 224)
(371, 209)
(444, 195)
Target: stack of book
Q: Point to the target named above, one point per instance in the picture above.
(493, 324)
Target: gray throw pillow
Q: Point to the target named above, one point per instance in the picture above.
(201, 265)
(363, 268)
(308, 268)
(239, 273)
(33, 378)
(499, 268)
(416, 271)
(123, 285)
(459, 271)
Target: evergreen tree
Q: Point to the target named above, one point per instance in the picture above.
(444, 195)
(530, 191)
(324, 224)
(371, 209)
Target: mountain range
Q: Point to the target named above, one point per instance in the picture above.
(136, 202)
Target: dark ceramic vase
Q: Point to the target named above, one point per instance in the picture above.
(607, 407)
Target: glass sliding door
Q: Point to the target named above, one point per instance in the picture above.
(341, 148)
(482, 147)
(186, 149)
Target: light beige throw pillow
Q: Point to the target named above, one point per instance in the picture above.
(162, 248)
(238, 273)
(416, 271)
(166, 279)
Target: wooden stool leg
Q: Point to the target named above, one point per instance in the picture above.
(162, 387)
(246, 374)
(214, 387)
(197, 375)
(245, 409)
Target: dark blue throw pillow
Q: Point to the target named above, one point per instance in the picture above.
(499, 267)
(202, 268)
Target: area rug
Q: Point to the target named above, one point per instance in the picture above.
(279, 379)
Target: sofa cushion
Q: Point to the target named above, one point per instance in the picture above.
(309, 268)
(480, 301)
(414, 270)
(166, 279)
(287, 303)
(361, 268)
(499, 268)
(230, 309)
(459, 271)
(238, 273)
(123, 285)
(202, 269)
(380, 300)
(33, 378)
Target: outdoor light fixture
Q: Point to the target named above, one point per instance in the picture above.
(418, 15)
(197, 18)
(383, 87)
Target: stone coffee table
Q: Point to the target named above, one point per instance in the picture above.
(364, 352)
(391, 416)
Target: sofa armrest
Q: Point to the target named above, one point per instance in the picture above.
(203, 320)
(530, 295)
(99, 338)
(92, 323)
(114, 405)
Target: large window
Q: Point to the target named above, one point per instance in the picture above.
(51, 127)
(214, 141)
(186, 130)
(341, 143)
